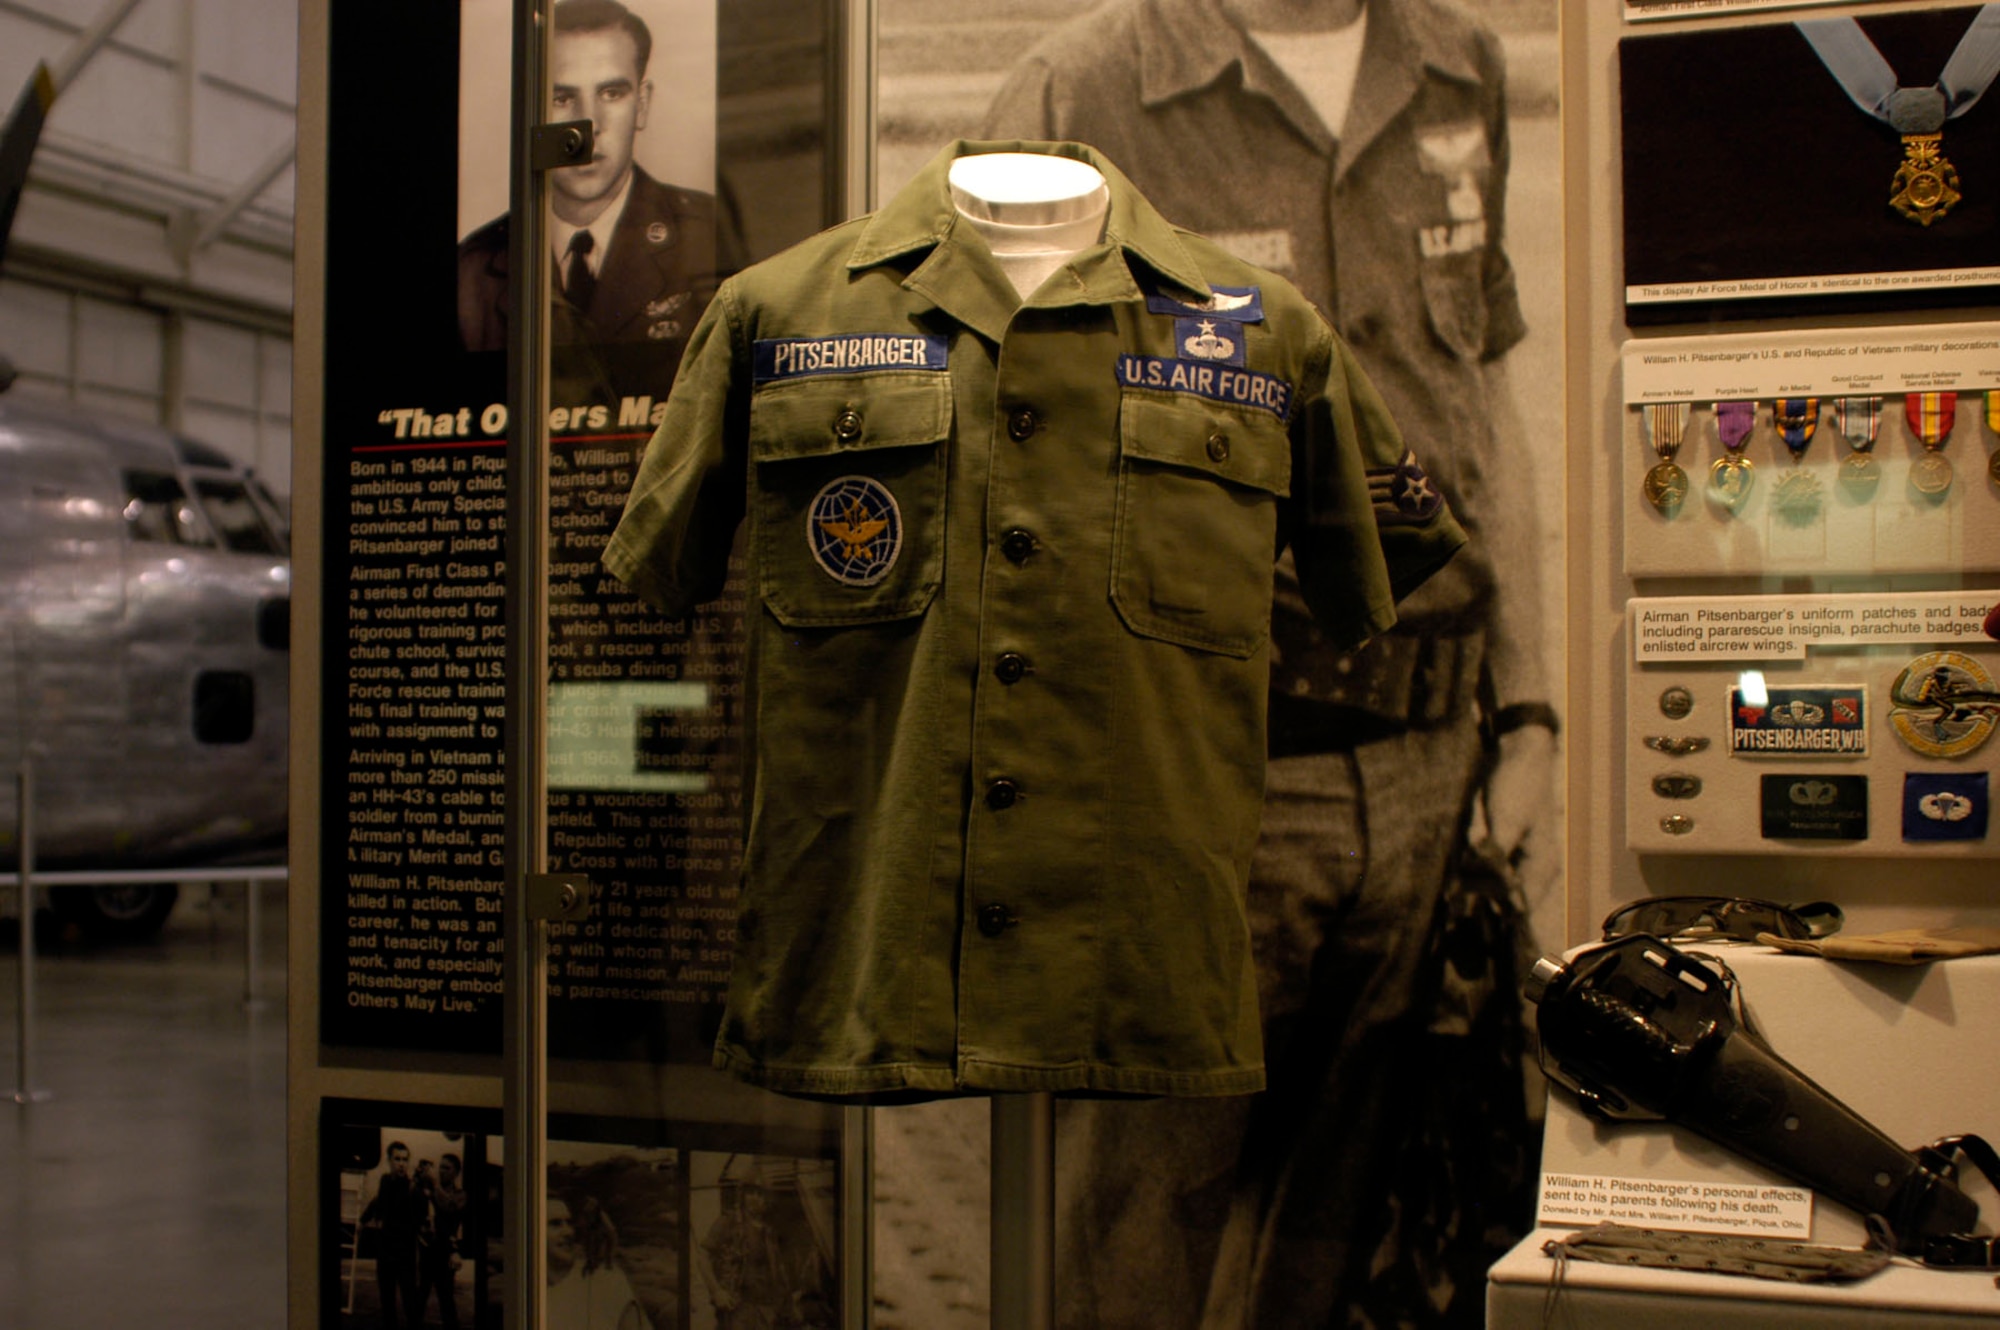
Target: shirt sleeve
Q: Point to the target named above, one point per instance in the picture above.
(1367, 526)
(672, 544)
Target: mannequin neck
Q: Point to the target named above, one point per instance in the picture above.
(1034, 211)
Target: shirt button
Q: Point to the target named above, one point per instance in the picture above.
(994, 919)
(1021, 425)
(1218, 447)
(847, 425)
(1011, 668)
(1018, 544)
(1002, 794)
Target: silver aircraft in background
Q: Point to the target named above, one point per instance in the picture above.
(145, 612)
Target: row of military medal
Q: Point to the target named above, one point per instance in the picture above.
(1795, 492)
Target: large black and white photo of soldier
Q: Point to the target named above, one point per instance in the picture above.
(614, 1237)
(1398, 161)
(406, 1254)
(633, 230)
(762, 1242)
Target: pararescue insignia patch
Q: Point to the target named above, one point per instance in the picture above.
(855, 530)
(1945, 704)
(1403, 495)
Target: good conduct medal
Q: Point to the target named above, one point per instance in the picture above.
(1859, 420)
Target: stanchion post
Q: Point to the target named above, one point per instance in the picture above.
(25, 1091)
(251, 894)
(1024, 1211)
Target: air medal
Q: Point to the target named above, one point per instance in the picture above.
(1795, 494)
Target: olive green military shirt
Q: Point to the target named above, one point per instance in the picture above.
(1010, 577)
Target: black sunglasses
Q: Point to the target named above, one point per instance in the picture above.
(1721, 916)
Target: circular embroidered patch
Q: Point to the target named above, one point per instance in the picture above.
(855, 530)
(1944, 704)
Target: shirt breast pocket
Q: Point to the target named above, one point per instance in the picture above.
(849, 475)
(1196, 535)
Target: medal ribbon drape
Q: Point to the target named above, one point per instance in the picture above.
(1993, 423)
(1730, 478)
(1796, 493)
(1666, 427)
(1859, 420)
(1930, 417)
(1926, 184)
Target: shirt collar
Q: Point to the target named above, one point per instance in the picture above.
(1186, 45)
(600, 230)
(959, 273)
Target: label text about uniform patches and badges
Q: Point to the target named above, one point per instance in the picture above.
(1218, 383)
(850, 353)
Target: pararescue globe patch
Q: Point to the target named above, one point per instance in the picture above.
(855, 530)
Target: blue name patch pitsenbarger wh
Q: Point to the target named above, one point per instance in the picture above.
(850, 353)
(1218, 383)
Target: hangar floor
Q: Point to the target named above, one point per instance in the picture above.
(149, 1189)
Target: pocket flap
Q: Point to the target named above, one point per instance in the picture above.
(1200, 436)
(826, 415)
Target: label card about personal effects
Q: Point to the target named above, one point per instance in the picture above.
(1686, 1207)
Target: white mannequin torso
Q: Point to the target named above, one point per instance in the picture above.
(1033, 210)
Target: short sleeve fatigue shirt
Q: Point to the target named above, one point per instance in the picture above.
(1011, 574)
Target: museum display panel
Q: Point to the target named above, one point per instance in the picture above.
(1727, 596)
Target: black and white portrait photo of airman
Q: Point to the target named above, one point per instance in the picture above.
(633, 255)
(1371, 152)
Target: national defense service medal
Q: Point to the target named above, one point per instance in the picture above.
(1943, 704)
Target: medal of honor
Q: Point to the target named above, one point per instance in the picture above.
(1925, 186)
(1795, 494)
(1666, 484)
(1930, 417)
(1731, 475)
(1859, 420)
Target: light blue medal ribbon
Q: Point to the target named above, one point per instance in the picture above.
(1926, 185)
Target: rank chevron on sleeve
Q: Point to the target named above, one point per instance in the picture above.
(1218, 383)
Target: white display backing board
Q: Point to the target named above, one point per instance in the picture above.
(1817, 647)
(1894, 529)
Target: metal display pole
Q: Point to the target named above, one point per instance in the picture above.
(25, 1091)
(524, 1103)
(1024, 1212)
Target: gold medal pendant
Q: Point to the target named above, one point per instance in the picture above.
(1730, 479)
(1993, 468)
(1666, 488)
(1796, 496)
(1926, 185)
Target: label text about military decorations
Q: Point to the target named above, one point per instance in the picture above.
(1218, 383)
(850, 353)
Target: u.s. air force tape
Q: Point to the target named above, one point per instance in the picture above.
(1218, 383)
(849, 353)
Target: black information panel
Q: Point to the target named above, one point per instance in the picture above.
(646, 791)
